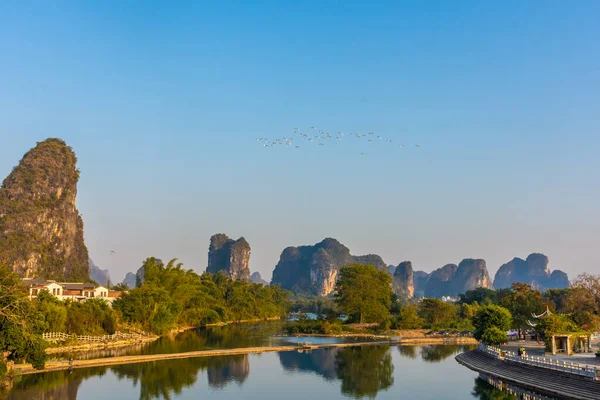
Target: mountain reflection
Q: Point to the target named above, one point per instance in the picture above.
(363, 371)
(321, 362)
(233, 370)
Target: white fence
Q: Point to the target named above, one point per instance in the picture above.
(59, 336)
(588, 371)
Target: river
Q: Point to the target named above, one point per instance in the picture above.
(382, 372)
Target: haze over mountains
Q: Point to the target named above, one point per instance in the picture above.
(41, 235)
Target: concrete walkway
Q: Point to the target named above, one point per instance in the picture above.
(541, 380)
(27, 369)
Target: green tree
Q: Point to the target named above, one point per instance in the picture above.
(493, 336)
(53, 312)
(172, 296)
(364, 293)
(409, 318)
(479, 295)
(20, 323)
(492, 316)
(523, 302)
(437, 314)
(583, 301)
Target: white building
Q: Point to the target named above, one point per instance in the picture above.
(70, 291)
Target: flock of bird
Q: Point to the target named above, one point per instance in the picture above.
(318, 137)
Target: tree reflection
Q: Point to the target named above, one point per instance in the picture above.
(437, 353)
(408, 351)
(162, 379)
(484, 391)
(365, 370)
(51, 385)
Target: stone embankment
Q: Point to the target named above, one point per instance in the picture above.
(548, 382)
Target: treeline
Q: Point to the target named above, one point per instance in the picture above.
(365, 295)
(92, 317)
(172, 297)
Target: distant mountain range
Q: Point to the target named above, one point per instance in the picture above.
(41, 235)
(314, 270)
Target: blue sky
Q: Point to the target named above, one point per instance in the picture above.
(163, 104)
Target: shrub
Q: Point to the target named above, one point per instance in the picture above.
(209, 317)
(494, 336)
(491, 316)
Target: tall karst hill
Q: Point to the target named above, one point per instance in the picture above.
(533, 271)
(232, 257)
(41, 231)
(315, 269)
(452, 279)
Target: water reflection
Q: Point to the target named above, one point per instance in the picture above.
(488, 388)
(435, 353)
(363, 371)
(355, 372)
(216, 337)
(51, 386)
(236, 370)
(409, 351)
(321, 362)
(156, 380)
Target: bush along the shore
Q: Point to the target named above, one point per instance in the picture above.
(20, 327)
(491, 324)
(173, 297)
(316, 326)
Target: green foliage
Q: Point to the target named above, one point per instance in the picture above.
(524, 301)
(53, 312)
(20, 323)
(92, 317)
(555, 324)
(315, 326)
(582, 301)
(479, 295)
(438, 315)
(409, 318)
(493, 336)
(364, 293)
(171, 296)
(489, 317)
(317, 305)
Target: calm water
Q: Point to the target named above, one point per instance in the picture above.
(382, 372)
(225, 337)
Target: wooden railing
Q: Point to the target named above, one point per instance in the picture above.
(60, 336)
(588, 371)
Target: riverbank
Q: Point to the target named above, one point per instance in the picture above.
(418, 340)
(27, 369)
(90, 346)
(400, 337)
(82, 347)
